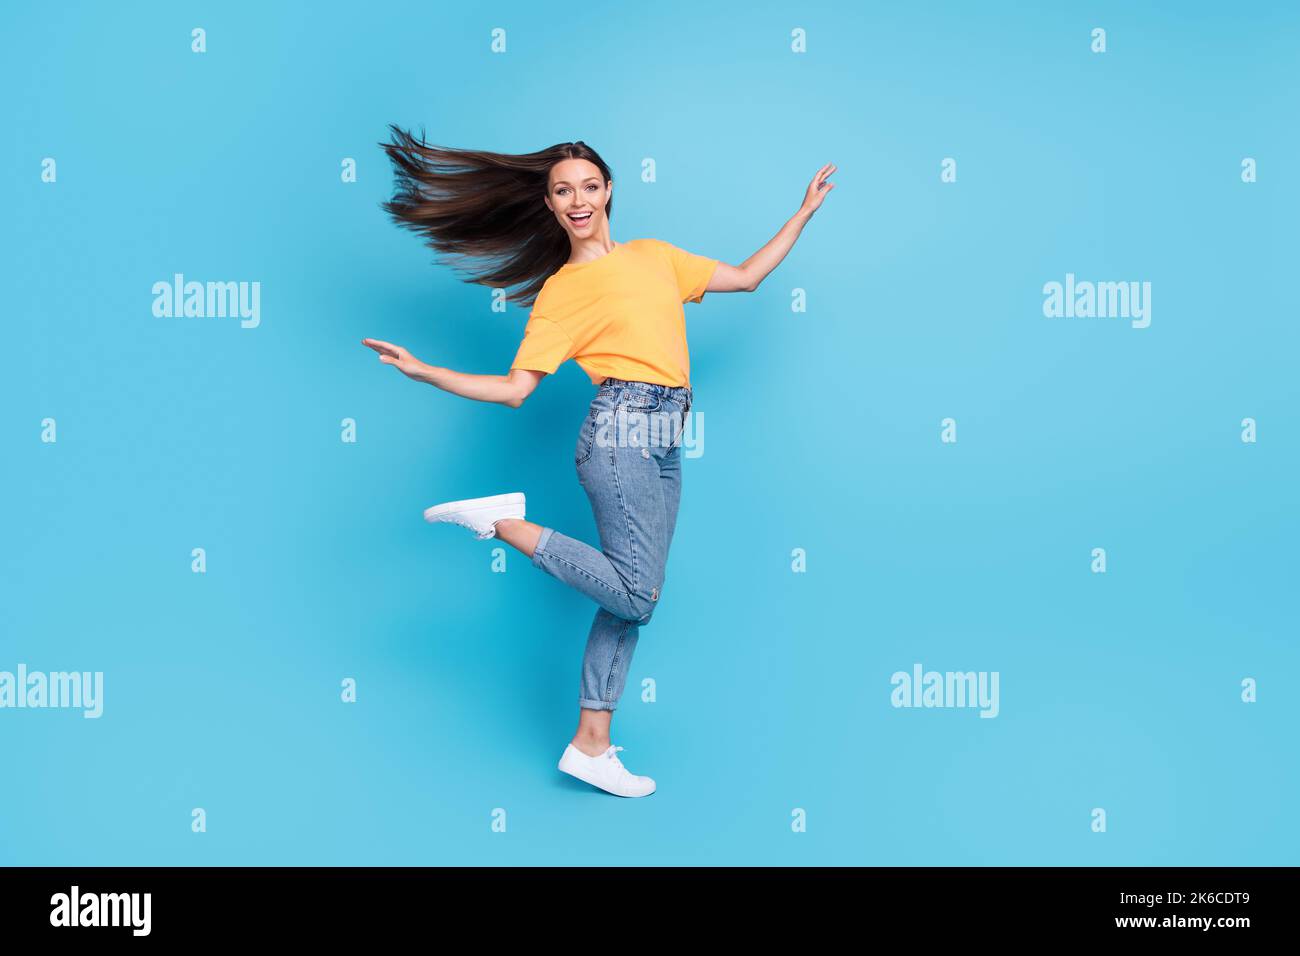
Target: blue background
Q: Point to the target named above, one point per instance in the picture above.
(1118, 690)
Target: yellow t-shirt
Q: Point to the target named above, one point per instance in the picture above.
(620, 314)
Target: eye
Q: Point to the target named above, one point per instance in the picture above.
(591, 185)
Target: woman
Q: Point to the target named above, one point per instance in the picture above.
(616, 309)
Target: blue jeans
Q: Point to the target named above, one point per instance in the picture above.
(628, 459)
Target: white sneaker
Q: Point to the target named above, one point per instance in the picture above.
(479, 514)
(606, 772)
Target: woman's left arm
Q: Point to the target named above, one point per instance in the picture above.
(747, 276)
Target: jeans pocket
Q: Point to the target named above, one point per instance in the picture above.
(598, 416)
(637, 400)
(586, 439)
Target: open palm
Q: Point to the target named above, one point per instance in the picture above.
(396, 356)
(818, 189)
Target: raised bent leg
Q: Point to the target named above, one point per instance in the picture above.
(626, 489)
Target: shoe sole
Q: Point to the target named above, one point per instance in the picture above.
(591, 783)
(491, 503)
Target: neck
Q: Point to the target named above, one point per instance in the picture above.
(584, 250)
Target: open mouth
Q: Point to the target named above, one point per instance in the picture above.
(580, 219)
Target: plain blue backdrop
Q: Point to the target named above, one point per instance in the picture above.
(1119, 691)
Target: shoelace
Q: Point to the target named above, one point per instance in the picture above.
(611, 753)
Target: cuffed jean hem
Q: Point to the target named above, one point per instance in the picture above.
(544, 537)
(596, 704)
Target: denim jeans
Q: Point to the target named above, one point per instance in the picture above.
(628, 459)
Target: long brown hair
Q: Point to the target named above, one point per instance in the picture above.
(470, 203)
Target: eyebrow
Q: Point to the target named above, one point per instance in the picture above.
(589, 179)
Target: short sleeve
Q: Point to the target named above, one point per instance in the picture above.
(545, 345)
(693, 272)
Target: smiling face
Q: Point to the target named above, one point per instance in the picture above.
(577, 194)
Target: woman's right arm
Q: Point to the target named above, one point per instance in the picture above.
(510, 389)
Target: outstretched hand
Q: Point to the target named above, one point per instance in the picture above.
(818, 189)
(395, 355)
